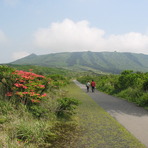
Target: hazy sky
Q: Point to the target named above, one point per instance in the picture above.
(51, 26)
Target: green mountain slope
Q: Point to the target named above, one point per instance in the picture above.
(113, 62)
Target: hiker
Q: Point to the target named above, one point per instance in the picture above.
(93, 85)
(88, 85)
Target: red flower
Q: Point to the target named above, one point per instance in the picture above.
(44, 95)
(24, 93)
(41, 86)
(9, 94)
(25, 87)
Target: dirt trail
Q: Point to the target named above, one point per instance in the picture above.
(132, 117)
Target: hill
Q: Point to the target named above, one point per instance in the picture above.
(111, 62)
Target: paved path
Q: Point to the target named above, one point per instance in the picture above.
(132, 117)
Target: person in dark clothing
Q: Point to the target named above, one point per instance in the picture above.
(93, 85)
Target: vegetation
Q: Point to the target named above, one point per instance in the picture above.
(102, 62)
(41, 109)
(42, 70)
(34, 110)
(132, 86)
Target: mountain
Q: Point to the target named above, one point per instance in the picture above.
(111, 62)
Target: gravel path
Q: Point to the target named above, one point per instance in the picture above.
(132, 117)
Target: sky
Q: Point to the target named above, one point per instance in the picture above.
(52, 26)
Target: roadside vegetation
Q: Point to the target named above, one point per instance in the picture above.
(129, 85)
(34, 110)
(40, 108)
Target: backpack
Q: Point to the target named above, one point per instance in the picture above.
(93, 84)
(87, 84)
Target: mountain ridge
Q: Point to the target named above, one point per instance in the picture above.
(111, 62)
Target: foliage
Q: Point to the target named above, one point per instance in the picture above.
(25, 87)
(59, 80)
(129, 79)
(145, 85)
(38, 111)
(66, 106)
(143, 100)
(42, 70)
(28, 117)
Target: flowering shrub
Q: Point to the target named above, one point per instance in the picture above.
(26, 87)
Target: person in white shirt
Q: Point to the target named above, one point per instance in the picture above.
(87, 86)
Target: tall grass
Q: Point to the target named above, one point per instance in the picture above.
(20, 128)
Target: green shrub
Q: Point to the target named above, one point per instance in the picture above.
(106, 87)
(145, 85)
(130, 94)
(66, 106)
(143, 100)
(37, 110)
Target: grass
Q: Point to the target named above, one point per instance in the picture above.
(98, 128)
(90, 127)
(19, 128)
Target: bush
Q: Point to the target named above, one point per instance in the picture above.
(143, 100)
(66, 107)
(37, 110)
(145, 85)
(25, 87)
(130, 94)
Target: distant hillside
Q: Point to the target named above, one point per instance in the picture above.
(112, 62)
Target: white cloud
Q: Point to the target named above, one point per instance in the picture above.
(130, 42)
(79, 36)
(19, 54)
